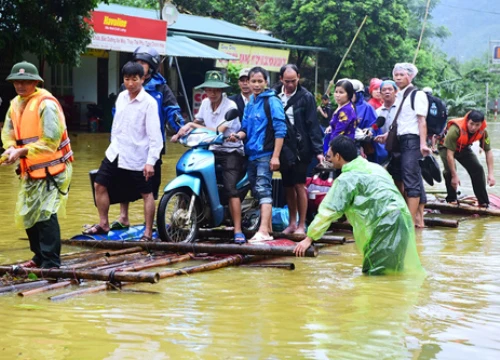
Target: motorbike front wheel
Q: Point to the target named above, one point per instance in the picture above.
(175, 224)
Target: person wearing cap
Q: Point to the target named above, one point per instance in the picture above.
(461, 134)
(300, 109)
(170, 117)
(229, 155)
(374, 90)
(34, 133)
(243, 97)
(412, 136)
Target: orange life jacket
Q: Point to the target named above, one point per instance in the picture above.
(464, 139)
(28, 129)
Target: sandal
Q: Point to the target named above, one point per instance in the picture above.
(239, 238)
(116, 225)
(258, 237)
(145, 238)
(95, 229)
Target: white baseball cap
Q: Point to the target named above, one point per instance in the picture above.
(244, 72)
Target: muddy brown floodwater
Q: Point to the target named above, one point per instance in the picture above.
(325, 309)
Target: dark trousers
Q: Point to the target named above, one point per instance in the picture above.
(470, 162)
(45, 242)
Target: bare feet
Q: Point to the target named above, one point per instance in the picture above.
(300, 231)
(290, 230)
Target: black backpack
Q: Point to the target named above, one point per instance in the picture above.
(437, 116)
(292, 143)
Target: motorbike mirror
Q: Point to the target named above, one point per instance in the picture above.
(232, 114)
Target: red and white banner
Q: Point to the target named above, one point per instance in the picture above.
(125, 33)
(198, 96)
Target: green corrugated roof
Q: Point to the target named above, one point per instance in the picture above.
(182, 46)
(209, 26)
(199, 27)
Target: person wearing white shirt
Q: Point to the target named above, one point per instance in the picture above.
(388, 90)
(229, 155)
(136, 142)
(243, 97)
(412, 136)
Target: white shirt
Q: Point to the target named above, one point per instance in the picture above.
(389, 114)
(245, 100)
(284, 100)
(135, 134)
(407, 119)
(211, 119)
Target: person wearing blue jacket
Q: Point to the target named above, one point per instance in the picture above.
(169, 112)
(367, 116)
(263, 145)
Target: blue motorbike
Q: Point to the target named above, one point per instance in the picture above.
(195, 199)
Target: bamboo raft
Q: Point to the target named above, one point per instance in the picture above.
(466, 206)
(114, 265)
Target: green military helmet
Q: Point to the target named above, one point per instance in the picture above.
(215, 80)
(24, 71)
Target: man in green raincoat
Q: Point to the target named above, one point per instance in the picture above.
(382, 224)
(35, 137)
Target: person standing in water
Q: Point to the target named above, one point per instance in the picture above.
(35, 133)
(366, 194)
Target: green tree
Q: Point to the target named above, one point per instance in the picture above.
(240, 12)
(56, 31)
(465, 89)
(332, 24)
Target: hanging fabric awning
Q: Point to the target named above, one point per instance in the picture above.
(182, 46)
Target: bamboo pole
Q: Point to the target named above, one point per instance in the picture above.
(102, 287)
(423, 30)
(83, 274)
(286, 266)
(109, 260)
(196, 247)
(100, 255)
(462, 209)
(213, 265)
(228, 234)
(123, 251)
(345, 55)
(441, 222)
(23, 286)
(85, 291)
(78, 254)
(50, 287)
(123, 265)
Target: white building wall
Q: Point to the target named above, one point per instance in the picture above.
(85, 80)
(114, 72)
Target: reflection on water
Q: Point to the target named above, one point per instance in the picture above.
(325, 309)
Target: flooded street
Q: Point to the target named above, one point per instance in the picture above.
(325, 309)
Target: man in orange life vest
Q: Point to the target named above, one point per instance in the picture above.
(461, 134)
(35, 133)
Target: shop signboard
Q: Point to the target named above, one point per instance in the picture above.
(250, 56)
(496, 55)
(125, 33)
(198, 96)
